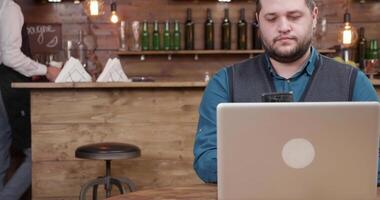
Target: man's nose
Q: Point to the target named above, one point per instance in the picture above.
(283, 25)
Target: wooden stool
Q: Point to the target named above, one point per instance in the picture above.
(107, 152)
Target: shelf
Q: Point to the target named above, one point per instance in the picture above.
(96, 85)
(203, 52)
(197, 53)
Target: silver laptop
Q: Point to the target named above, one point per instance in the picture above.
(269, 151)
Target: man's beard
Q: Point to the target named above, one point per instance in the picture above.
(290, 56)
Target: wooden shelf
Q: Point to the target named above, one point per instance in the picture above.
(89, 85)
(203, 52)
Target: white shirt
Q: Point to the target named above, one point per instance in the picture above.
(11, 22)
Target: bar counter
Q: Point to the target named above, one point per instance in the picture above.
(159, 117)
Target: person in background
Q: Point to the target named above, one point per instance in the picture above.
(289, 64)
(16, 66)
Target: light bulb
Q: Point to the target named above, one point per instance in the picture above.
(114, 17)
(347, 34)
(94, 8)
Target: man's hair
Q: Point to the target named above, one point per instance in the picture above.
(310, 4)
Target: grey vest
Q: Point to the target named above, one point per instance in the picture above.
(331, 81)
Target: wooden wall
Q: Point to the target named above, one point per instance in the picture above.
(185, 67)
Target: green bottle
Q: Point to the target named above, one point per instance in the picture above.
(226, 31)
(156, 37)
(373, 50)
(176, 36)
(166, 37)
(242, 31)
(189, 31)
(209, 31)
(145, 37)
(372, 56)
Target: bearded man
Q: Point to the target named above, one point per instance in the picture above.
(290, 64)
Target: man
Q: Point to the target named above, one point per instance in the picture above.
(15, 66)
(290, 64)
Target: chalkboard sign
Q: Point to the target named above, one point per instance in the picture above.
(44, 37)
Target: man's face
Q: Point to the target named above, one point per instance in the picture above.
(286, 28)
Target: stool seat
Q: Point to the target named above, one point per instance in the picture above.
(108, 151)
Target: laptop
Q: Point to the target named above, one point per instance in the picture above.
(269, 151)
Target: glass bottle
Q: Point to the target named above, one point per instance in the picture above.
(256, 41)
(242, 31)
(189, 31)
(145, 37)
(166, 36)
(226, 31)
(122, 36)
(136, 43)
(156, 37)
(209, 31)
(372, 59)
(82, 50)
(176, 36)
(361, 48)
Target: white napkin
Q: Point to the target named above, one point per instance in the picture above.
(113, 72)
(73, 71)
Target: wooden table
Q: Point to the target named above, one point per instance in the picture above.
(193, 192)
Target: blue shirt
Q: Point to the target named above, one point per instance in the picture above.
(217, 91)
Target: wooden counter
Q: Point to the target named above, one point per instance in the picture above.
(159, 117)
(375, 82)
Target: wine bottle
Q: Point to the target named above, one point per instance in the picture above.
(361, 48)
(189, 32)
(256, 40)
(226, 31)
(176, 36)
(82, 50)
(209, 31)
(242, 31)
(145, 37)
(166, 37)
(156, 37)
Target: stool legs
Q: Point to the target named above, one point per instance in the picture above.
(128, 182)
(119, 185)
(107, 181)
(91, 184)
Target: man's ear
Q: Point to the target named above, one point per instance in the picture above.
(257, 17)
(315, 16)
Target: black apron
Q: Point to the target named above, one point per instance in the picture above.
(17, 101)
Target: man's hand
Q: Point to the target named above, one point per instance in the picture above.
(52, 73)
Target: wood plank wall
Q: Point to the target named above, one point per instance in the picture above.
(185, 67)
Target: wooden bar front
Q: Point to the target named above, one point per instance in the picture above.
(160, 118)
